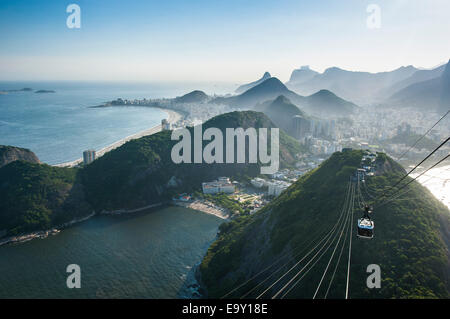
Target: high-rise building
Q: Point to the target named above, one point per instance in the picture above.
(165, 125)
(302, 126)
(88, 156)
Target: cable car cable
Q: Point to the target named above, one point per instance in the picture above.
(271, 265)
(419, 139)
(412, 180)
(300, 279)
(349, 258)
(296, 264)
(339, 258)
(412, 170)
(298, 273)
(331, 258)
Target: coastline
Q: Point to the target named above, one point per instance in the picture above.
(205, 207)
(196, 205)
(130, 211)
(41, 234)
(436, 181)
(172, 117)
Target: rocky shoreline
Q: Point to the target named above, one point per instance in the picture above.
(41, 234)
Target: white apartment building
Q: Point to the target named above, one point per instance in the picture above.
(276, 187)
(258, 182)
(222, 185)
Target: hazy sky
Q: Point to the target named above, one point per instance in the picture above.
(226, 40)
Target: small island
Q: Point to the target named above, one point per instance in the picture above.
(15, 90)
(45, 91)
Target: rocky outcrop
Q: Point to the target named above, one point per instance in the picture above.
(10, 154)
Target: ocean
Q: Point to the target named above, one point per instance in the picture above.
(437, 180)
(146, 255)
(59, 126)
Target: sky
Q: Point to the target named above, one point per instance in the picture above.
(222, 41)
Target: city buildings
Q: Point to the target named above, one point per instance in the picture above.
(274, 187)
(313, 127)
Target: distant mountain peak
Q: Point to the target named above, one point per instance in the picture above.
(333, 69)
(324, 92)
(303, 74)
(282, 99)
(196, 96)
(273, 82)
(248, 86)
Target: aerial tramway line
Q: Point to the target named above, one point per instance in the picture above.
(279, 282)
(365, 225)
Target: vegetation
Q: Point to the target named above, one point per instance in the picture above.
(142, 172)
(410, 243)
(224, 200)
(139, 173)
(37, 196)
(409, 138)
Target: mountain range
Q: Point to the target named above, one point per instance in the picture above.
(433, 93)
(366, 88)
(322, 103)
(358, 87)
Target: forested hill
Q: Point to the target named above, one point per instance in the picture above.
(141, 172)
(38, 196)
(410, 244)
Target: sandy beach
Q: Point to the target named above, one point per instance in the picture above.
(205, 207)
(172, 117)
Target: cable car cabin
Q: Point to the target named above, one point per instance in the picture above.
(360, 173)
(365, 228)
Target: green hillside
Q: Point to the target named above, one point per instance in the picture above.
(410, 244)
(281, 111)
(410, 139)
(141, 172)
(38, 196)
